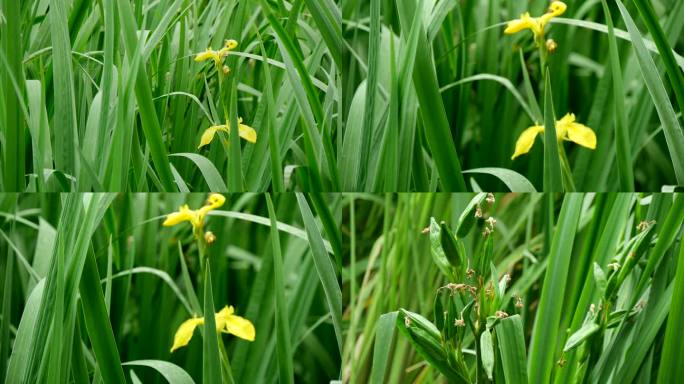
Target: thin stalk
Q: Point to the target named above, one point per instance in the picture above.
(568, 182)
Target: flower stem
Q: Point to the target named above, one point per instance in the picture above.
(568, 182)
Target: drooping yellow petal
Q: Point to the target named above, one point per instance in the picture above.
(184, 213)
(246, 132)
(226, 322)
(208, 54)
(240, 327)
(556, 9)
(216, 200)
(569, 129)
(524, 22)
(536, 24)
(566, 129)
(526, 140)
(231, 44)
(209, 134)
(185, 331)
(582, 135)
(236, 325)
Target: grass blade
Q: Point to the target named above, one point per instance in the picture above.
(13, 126)
(211, 174)
(437, 129)
(666, 236)
(385, 332)
(511, 340)
(552, 167)
(324, 267)
(672, 357)
(543, 346)
(283, 343)
(7, 269)
(171, 372)
(98, 325)
(18, 362)
(143, 92)
(211, 365)
(327, 16)
(273, 145)
(674, 74)
(65, 105)
(623, 144)
(308, 102)
(513, 180)
(371, 93)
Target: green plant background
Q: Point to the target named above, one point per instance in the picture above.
(551, 246)
(93, 282)
(438, 88)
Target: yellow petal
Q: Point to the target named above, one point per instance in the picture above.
(524, 22)
(517, 25)
(185, 331)
(209, 134)
(248, 133)
(220, 320)
(569, 118)
(240, 327)
(582, 135)
(231, 44)
(216, 200)
(184, 214)
(556, 9)
(526, 140)
(222, 317)
(206, 55)
(225, 312)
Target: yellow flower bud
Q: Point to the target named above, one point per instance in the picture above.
(209, 237)
(551, 45)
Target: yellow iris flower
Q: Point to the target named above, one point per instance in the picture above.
(566, 129)
(536, 24)
(195, 217)
(245, 131)
(219, 55)
(226, 322)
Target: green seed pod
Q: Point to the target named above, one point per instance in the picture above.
(425, 338)
(467, 218)
(453, 248)
(427, 343)
(436, 249)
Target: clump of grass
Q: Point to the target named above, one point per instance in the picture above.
(340, 95)
(451, 86)
(95, 289)
(518, 288)
(107, 95)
